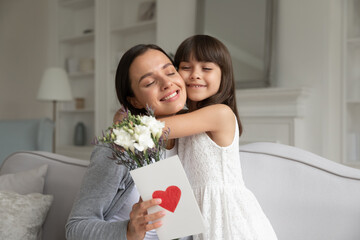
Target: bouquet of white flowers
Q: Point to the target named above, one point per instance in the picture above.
(136, 141)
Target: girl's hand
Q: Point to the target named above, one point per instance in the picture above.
(139, 219)
(119, 115)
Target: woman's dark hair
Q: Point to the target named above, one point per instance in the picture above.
(204, 48)
(122, 77)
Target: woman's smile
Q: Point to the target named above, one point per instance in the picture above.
(156, 83)
(171, 97)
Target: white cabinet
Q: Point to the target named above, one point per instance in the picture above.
(92, 36)
(120, 25)
(76, 44)
(273, 115)
(125, 26)
(351, 105)
(131, 22)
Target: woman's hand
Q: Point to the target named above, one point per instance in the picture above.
(139, 219)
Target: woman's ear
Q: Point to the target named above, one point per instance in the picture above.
(135, 103)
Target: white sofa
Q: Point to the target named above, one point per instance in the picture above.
(62, 180)
(306, 197)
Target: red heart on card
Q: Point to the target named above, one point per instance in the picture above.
(170, 197)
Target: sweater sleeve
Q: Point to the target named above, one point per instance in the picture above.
(101, 192)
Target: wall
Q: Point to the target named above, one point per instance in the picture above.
(23, 58)
(169, 26)
(308, 54)
(246, 41)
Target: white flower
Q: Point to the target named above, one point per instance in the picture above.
(143, 138)
(131, 138)
(155, 126)
(124, 139)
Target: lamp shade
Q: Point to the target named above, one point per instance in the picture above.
(55, 85)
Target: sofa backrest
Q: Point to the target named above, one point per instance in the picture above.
(63, 180)
(25, 134)
(304, 195)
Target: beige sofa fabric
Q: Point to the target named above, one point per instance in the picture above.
(62, 181)
(304, 196)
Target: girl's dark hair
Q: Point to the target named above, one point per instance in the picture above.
(204, 48)
(122, 77)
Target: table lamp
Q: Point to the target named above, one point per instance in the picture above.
(54, 87)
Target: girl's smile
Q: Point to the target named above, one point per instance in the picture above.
(202, 78)
(195, 86)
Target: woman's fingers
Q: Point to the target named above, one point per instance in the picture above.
(153, 225)
(141, 207)
(154, 216)
(141, 221)
(149, 203)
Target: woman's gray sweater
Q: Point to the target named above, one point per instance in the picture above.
(104, 190)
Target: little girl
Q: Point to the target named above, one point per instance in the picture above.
(209, 143)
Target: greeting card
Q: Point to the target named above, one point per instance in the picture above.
(166, 179)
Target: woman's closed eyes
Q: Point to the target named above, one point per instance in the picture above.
(151, 80)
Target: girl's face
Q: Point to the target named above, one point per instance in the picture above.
(156, 83)
(202, 79)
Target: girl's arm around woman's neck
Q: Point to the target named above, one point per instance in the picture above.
(218, 121)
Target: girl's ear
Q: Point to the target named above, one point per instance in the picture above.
(135, 103)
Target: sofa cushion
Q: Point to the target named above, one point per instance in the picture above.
(19, 134)
(22, 215)
(45, 134)
(63, 180)
(25, 134)
(24, 182)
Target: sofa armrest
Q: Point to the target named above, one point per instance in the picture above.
(305, 196)
(63, 180)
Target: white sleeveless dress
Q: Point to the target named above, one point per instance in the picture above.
(230, 210)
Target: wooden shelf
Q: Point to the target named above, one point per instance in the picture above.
(80, 75)
(77, 4)
(77, 110)
(353, 102)
(351, 37)
(78, 39)
(81, 152)
(354, 41)
(135, 27)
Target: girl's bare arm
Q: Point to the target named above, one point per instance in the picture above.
(217, 120)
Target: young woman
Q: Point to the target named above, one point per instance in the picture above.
(108, 206)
